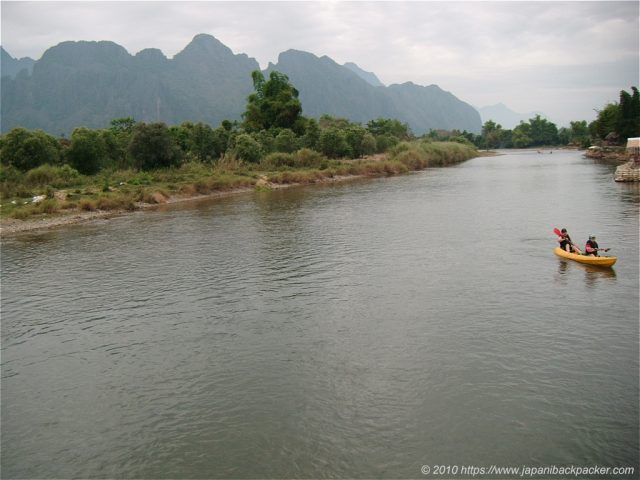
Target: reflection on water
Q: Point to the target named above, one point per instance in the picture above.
(348, 331)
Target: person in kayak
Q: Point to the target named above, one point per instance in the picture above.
(592, 248)
(566, 244)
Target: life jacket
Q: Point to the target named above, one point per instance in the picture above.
(591, 247)
(565, 240)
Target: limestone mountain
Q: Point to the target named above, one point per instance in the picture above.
(90, 83)
(327, 87)
(10, 66)
(369, 77)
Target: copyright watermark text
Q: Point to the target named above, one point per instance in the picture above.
(523, 471)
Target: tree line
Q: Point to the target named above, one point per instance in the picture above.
(614, 124)
(272, 123)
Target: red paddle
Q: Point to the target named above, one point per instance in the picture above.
(557, 232)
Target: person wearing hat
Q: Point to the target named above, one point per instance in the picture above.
(592, 248)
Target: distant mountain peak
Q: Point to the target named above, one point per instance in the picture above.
(10, 66)
(204, 44)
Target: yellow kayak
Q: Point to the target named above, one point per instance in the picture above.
(597, 261)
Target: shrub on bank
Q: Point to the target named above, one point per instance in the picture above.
(418, 155)
(304, 158)
(59, 177)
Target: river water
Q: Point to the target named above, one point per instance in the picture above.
(355, 330)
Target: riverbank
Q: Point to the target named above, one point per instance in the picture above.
(127, 191)
(11, 226)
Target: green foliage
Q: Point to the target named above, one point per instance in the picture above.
(333, 143)
(116, 144)
(152, 146)
(354, 136)
(123, 125)
(273, 104)
(628, 122)
(26, 149)
(181, 135)
(202, 142)
(266, 140)
(88, 151)
(492, 134)
(391, 127)
(278, 160)
(620, 119)
(11, 174)
(59, 177)
(542, 131)
(303, 158)
(286, 141)
(311, 134)
(418, 155)
(385, 142)
(368, 144)
(221, 136)
(247, 148)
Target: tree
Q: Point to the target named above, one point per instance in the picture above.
(124, 124)
(181, 135)
(152, 146)
(368, 144)
(492, 134)
(521, 137)
(628, 123)
(606, 121)
(117, 139)
(579, 133)
(202, 142)
(333, 143)
(221, 137)
(286, 141)
(273, 104)
(25, 149)
(247, 148)
(88, 151)
(311, 134)
(387, 126)
(354, 135)
(543, 132)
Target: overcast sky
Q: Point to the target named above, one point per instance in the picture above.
(562, 58)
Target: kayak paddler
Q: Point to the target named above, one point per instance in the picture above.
(566, 244)
(591, 248)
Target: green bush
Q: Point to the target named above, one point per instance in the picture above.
(247, 148)
(310, 159)
(10, 174)
(278, 160)
(50, 175)
(333, 143)
(26, 149)
(286, 141)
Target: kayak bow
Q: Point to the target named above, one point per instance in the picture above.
(597, 261)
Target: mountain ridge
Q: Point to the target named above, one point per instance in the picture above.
(89, 83)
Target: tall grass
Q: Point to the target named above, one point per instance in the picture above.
(423, 154)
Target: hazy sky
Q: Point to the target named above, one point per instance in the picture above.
(561, 58)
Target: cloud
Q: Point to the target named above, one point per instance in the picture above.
(528, 55)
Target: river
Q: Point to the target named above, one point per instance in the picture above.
(354, 330)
